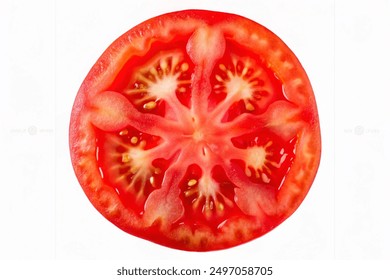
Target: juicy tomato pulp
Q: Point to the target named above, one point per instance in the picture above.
(197, 130)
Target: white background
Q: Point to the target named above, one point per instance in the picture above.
(46, 50)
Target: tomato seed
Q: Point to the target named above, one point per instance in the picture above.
(189, 192)
(265, 178)
(184, 67)
(249, 106)
(134, 140)
(123, 132)
(125, 158)
(222, 67)
(152, 181)
(192, 182)
(142, 144)
(220, 206)
(150, 105)
(219, 78)
(163, 64)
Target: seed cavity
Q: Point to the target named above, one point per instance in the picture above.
(159, 79)
(131, 169)
(206, 196)
(244, 80)
(259, 162)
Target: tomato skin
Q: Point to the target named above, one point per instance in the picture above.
(251, 206)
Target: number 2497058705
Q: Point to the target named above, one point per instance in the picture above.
(243, 270)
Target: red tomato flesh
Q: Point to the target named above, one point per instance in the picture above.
(197, 130)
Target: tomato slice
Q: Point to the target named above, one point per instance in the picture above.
(197, 130)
